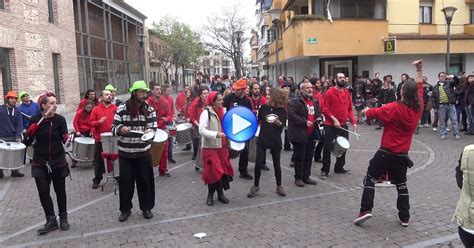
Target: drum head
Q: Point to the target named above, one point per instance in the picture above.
(343, 142)
(107, 134)
(183, 126)
(12, 146)
(148, 136)
(271, 118)
(85, 140)
(237, 146)
(160, 136)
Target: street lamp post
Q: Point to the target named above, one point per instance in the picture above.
(141, 38)
(276, 31)
(238, 37)
(448, 14)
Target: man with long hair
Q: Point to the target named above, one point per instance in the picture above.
(134, 154)
(401, 119)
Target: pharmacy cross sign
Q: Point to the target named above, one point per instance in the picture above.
(311, 40)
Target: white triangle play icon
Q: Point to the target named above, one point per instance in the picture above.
(239, 124)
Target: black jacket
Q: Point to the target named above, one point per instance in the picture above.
(270, 134)
(297, 119)
(387, 95)
(231, 100)
(449, 88)
(48, 147)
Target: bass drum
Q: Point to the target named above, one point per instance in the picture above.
(157, 146)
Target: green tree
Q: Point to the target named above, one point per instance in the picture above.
(184, 44)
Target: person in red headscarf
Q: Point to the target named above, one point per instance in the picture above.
(218, 171)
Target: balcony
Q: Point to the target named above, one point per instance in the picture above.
(315, 37)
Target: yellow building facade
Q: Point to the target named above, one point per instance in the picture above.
(350, 36)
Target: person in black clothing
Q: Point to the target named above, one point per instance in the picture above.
(469, 98)
(49, 132)
(268, 139)
(302, 114)
(235, 99)
(386, 95)
(404, 77)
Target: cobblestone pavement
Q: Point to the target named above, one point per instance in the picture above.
(315, 216)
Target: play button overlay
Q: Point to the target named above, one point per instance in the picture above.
(240, 124)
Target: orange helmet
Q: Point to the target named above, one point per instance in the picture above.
(11, 94)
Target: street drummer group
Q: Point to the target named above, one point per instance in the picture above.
(310, 122)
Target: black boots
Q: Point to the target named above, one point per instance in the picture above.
(51, 225)
(210, 199)
(63, 224)
(221, 197)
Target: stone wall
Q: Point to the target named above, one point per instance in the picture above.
(31, 39)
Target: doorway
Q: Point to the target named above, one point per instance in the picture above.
(331, 68)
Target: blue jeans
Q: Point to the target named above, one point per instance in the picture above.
(449, 109)
(470, 115)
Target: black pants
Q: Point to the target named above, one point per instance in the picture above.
(319, 149)
(43, 184)
(466, 238)
(244, 159)
(99, 168)
(260, 161)
(396, 167)
(170, 148)
(196, 146)
(303, 156)
(330, 134)
(139, 171)
(287, 141)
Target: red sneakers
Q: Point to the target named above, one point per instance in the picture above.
(363, 216)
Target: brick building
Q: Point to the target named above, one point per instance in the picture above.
(37, 49)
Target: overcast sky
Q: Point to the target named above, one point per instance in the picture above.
(192, 12)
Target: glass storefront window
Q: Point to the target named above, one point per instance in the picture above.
(134, 72)
(96, 21)
(98, 49)
(99, 74)
(121, 77)
(117, 34)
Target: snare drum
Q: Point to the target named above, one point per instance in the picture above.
(83, 149)
(158, 145)
(12, 155)
(171, 130)
(183, 133)
(235, 148)
(339, 146)
(109, 142)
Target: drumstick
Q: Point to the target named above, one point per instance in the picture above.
(354, 133)
(42, 118)
(26, 115)
(138, 132)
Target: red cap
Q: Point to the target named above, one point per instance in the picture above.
(11, 94)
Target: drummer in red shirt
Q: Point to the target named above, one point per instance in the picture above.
(166, 92)
(401, 120)
(182, 103)
(163, 116)
(337, 108)
(102, 117)
(81, 122)
(194, 113)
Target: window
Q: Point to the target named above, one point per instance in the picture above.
(304, 10)
(5, 70)
(2, 4)
(50, 11)
(358, 9)
(426, 9)
(57, 89)
(471, 14)
(318, 7)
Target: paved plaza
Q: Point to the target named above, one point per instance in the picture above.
(315, 216)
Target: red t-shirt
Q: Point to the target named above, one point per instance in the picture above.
(255, 103)
(400, 123)
(311, 114)
(338, 104)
